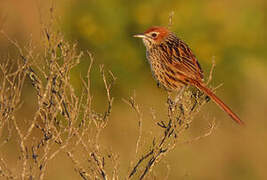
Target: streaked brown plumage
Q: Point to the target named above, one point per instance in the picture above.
(174, 65)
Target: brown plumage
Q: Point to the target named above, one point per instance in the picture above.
(174, 65)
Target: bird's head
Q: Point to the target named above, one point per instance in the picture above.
(153, 36)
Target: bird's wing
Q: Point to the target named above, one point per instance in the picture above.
(185, 61)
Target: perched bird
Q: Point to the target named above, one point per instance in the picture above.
(174, 65)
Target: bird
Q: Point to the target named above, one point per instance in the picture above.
(174, 65)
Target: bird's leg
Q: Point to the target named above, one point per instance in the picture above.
(179, 95)
(170, 102)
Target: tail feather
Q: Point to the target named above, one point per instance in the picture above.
(218, 101)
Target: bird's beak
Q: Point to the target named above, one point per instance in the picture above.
(139, 35)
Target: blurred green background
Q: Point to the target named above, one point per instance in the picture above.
(231, 32)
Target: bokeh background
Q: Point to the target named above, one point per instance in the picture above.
(231, 32)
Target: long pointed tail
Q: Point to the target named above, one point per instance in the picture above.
(218, 101)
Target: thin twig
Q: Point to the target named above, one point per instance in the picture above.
(171, 15)
(211, 70)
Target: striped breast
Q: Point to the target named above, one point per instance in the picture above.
(163, 72)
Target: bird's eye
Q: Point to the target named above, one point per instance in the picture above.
(154, 35)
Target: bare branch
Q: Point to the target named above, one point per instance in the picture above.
(171, 14)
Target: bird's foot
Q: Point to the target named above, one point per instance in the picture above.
(179, 95)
